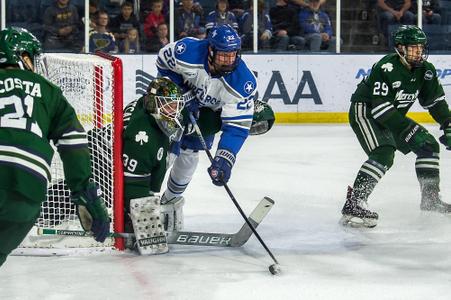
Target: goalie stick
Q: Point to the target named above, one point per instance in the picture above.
(193, 238)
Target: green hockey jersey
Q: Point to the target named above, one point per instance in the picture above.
(391, 89)
(145, 149)
(34, 112)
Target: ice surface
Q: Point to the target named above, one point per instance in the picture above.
(305, 169)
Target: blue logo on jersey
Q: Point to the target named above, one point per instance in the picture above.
(180, 48)
(249, 87)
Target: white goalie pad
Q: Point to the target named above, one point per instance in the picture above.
(172, 214)
(149, 232)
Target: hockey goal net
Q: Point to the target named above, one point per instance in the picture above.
(93, 86)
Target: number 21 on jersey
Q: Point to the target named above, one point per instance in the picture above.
(17, 113)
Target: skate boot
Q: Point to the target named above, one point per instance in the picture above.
(431, 200)
(356, 214)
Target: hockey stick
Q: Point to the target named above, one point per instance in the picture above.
(193, 238)
(275, 268)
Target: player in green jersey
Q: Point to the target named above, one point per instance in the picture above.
(33, 111)
(378, 118)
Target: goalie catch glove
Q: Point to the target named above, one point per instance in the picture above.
(445, 139)
(221, 167)
(92, 212)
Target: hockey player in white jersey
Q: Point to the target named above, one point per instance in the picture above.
(212, 75)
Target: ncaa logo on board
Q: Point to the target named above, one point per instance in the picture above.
(160, 153)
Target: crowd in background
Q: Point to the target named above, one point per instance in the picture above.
(121, 26)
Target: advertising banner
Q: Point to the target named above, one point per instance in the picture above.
(293, 84)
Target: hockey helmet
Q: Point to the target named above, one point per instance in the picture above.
(263, 118)
(409, 35)
(164, 101)
(14, 43)
(224, 38)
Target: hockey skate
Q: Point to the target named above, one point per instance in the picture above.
(431, 200)
(356, 214)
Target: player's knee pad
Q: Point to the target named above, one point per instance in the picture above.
(383, 155)
(172, 214)
(184, 166)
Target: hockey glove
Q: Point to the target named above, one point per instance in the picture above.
(92, 212)
(221, 167)
(191, 104)
(418, 140)
(445, 139)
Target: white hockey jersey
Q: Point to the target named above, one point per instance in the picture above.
(186, 63)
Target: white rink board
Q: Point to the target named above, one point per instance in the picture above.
(334, 77)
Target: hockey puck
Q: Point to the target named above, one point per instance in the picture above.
(275, 269)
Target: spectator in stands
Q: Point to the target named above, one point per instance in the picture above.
(316, 28)
(61, 27)
(187, 19)
(123, 22)
(238, 7)
(394, 12)
(24, 14)
(285, 24)
(304, 3)
(101, 39)
(221, 16)
(145, 7)
(159, 40)
(153, 19)
(93, 10)
(264, 28)
(131, 44)
(431, 11)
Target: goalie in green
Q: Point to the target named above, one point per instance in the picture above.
(378, 118)
(33, 111)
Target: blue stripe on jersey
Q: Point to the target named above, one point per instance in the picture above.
(232, 138)
(245, 117)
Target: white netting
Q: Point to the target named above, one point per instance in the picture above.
(87, 82)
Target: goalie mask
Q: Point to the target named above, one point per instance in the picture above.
(263, 118)
(164, 101)
(411, 45)
(15, 43)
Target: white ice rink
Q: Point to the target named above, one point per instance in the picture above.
(305, 169)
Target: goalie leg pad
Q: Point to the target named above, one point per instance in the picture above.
(149, 232)
(172, 214)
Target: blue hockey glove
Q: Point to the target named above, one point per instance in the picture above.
(92, 212)
(191, 103)
(445, 139)
(420, 141)
(221, 167)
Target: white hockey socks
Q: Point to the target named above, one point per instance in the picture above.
(149, 231)
(172, 214)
